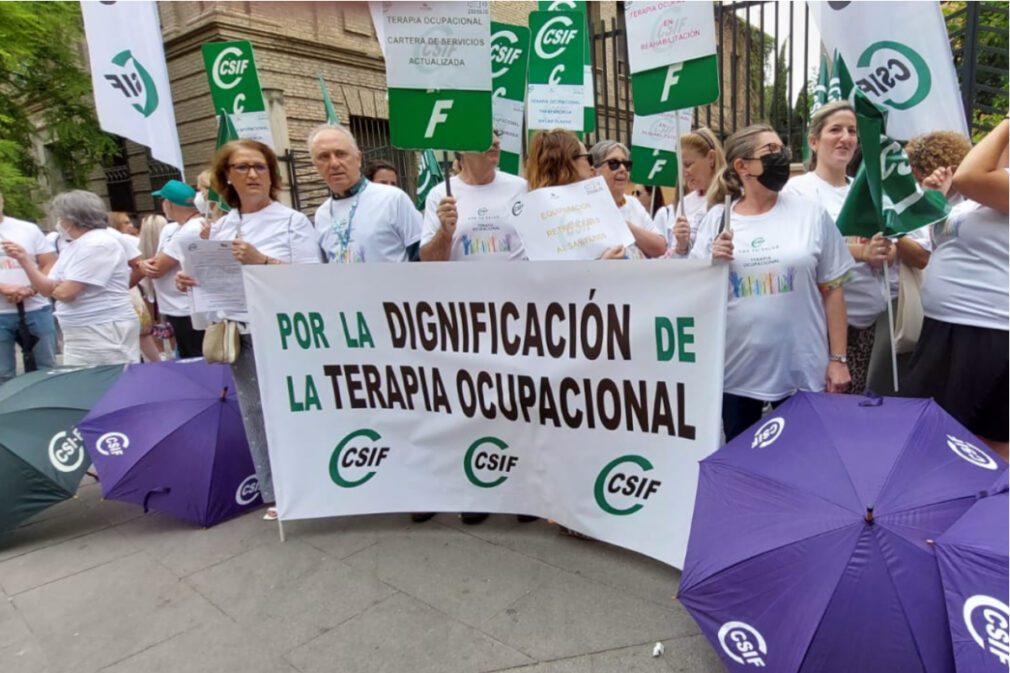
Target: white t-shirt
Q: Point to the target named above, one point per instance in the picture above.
(98, 260)
(864, 294)
(377, 224)
(173, 237)
(31, 238)
(484, 227)
(276, 231)
(965, 282)
(776, 329)
(634, 212)
(695, 208)
(131, 244)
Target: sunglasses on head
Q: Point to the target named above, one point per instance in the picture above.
(614, 164)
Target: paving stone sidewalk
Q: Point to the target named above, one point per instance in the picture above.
(94, 586)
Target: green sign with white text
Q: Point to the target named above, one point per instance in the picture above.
(235, 87)
(509, 61)
(589, 113)
(677, 86)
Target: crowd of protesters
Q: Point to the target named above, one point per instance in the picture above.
(805, 307)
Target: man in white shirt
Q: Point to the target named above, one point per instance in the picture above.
(473, 224)
(20, 305)
(362, 221)
(180, 209)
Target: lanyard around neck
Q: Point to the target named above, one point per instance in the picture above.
(343, 233)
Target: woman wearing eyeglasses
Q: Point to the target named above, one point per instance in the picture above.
(610, 159)
(702, 159)
(263, 231)
(786, 325)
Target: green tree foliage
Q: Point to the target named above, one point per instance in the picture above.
(42, 84)
(991, 62)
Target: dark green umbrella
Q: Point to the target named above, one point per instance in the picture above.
(42, 457)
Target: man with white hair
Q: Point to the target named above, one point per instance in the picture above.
(362, 221)
(20, 304)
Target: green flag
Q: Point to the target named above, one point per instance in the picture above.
(225, 134)
(840, 85)
(331, 114)
(885, 197)
(429, 174)
(820, 98)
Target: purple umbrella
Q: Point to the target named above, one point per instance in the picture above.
(808, 548)
(168, 436)
(973, 559)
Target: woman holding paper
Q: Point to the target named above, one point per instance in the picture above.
(90, 282)
(262, 231)
(702, 158)
(610, 159)
(961, 357)
(558, 158)
(785, 328)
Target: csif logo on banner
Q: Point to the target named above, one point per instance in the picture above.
(894, 73)
(134, 82)
(356, 458)
(552, 39)
(227, 72)
(991, 617)
(743, 644)
(624, 482)
(481, 461)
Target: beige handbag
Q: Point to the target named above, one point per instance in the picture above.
(908, 321)
(221, 342)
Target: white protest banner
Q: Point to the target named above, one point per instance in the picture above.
(661, 33)
(579, 221)
(129, 75)
(559, 389)
(654, 143)
(899, 55)
(438, 70)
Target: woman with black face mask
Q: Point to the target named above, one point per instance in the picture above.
(786, 324)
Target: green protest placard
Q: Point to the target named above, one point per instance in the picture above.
(671, 55)
(438, 69)
(588, 82)
(509, 59)
(556, 73)
(235, 87)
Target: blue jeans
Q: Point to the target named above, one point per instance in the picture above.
(41, 324)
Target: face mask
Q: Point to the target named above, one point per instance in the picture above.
(62, 231)
(201, 205)
(776, 171)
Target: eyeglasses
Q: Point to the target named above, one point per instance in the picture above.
(245, 168)
(584, 155)
(614, 164)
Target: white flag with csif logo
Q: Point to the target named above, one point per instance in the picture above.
(899, 55)
(129, 75)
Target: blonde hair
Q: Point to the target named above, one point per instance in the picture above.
(740, 145)
(150, 232)
(820, 119)
(702, 140)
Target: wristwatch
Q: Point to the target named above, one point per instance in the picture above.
(839, 358)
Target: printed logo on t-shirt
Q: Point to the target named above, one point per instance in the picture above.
(762, 284)
(485, 245)
(971, 453)
(112, 444)
(743, 644)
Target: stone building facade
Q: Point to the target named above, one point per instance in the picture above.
(294, 42)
